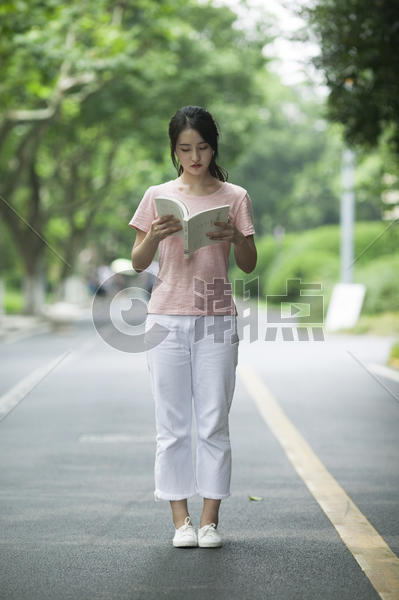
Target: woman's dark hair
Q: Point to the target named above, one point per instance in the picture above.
(198, 118)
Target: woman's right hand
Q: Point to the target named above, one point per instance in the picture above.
(164, 226)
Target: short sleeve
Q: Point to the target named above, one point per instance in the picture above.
(145, 212)
(244, 218)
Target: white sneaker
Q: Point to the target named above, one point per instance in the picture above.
(209, 537)
(185, 536)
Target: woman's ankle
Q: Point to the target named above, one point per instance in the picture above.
(180, 521)
(179, 512)
(208, 521)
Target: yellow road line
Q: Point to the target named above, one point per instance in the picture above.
(370, 550)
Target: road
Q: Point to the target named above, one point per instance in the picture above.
(77, 444)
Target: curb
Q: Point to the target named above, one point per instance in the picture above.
(12, 327)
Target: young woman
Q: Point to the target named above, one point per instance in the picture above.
(192, 301)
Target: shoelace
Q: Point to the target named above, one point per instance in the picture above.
(187, 524)
(206, 528)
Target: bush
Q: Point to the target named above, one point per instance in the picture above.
(374, 239)
(382, 284)
(395, 351)
(314, 256)
(326, 238)
(310, 267)
(13, 301)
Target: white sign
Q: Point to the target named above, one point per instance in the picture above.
(345, 306)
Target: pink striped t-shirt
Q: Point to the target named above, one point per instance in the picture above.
(197, 285)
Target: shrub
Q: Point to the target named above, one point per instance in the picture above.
(382, 284)
(374, 239)
(310, 267)
(314, 256)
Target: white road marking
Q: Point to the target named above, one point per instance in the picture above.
(10, 399)
(384, 371)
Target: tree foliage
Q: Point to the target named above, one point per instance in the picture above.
(359, 56)
(87, 92)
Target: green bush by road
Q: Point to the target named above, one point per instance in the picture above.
(314, 257)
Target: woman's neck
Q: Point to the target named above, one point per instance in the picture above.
(198, 183)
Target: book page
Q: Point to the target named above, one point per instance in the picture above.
(201, 223)
(171, 206)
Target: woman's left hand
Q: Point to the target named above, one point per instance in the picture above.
(229, 233)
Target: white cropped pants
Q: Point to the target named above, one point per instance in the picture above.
(192, 361)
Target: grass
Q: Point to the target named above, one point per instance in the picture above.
(14, 301)
(393, 360)
(386, 323)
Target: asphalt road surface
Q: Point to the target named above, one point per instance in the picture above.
(77, 447)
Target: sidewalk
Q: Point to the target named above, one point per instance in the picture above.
(12, 325)
(60, 314)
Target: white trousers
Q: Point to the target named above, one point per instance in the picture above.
(192, 361)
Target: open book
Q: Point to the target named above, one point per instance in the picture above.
(196, 227)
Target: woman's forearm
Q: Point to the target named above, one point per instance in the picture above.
(143, 254)
(245, 254)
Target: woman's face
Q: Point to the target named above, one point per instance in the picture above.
(191, 149)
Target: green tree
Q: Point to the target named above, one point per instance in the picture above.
(88, 90)
(292, 164)
(359, 57)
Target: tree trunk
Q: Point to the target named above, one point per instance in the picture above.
(2, 297)
(34, 288)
